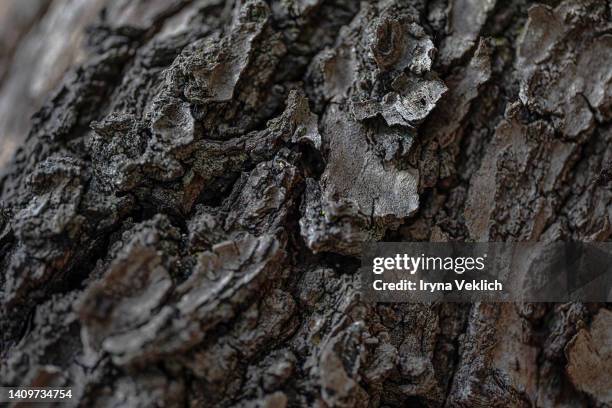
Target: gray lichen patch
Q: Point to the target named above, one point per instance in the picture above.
(361, 194)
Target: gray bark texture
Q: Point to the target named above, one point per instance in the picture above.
(182, 222)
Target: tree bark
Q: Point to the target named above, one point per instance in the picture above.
(182, 224)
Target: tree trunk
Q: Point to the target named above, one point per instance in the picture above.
(182, 224)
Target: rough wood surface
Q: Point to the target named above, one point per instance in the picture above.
(182, 224)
